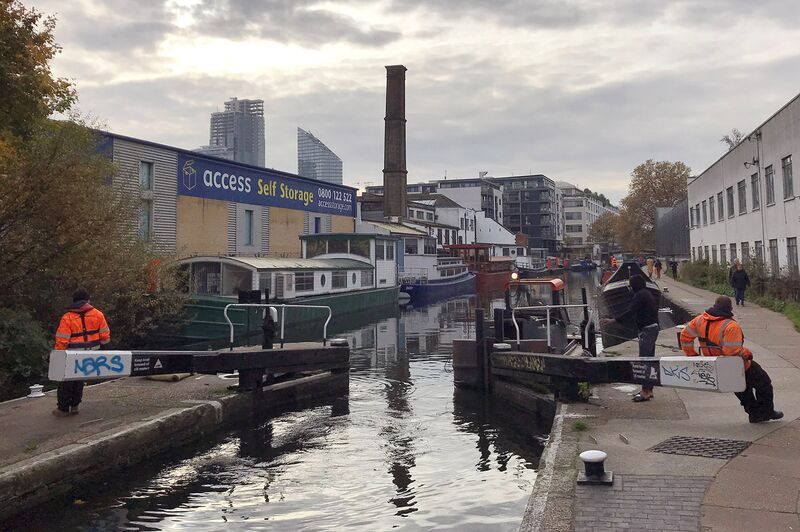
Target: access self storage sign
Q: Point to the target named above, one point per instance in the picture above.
(203, 178)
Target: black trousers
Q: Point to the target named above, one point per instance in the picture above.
(757, 399)
(69, 394)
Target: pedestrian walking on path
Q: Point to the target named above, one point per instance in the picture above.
(658, 267)
(740, 281)
(644, 308)
(719, 334)
(81, 327)
(673, 264)
(650, 266)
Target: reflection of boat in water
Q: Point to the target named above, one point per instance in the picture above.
(616, 296)
(449, 277)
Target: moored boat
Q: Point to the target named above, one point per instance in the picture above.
(446, 278)
(615, 297)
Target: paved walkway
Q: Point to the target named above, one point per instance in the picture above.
(758, 490)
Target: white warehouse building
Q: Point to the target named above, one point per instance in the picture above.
(745, 204)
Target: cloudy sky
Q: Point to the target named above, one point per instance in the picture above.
(580, 90)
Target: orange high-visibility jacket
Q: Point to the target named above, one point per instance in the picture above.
(83, 326)
(717, 335)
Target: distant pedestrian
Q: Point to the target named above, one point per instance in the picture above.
(740, 281)
(734, 266)
(81, 327)
(613, 262)
(658, 267)
(673, 264)
(644, 308)
(650, 266)
(720, 335)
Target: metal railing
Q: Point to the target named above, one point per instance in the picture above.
(547, 308)
(282, 318)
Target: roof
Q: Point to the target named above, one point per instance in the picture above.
(397, 228)
(280, 263)
(345, 236)
(438, 200)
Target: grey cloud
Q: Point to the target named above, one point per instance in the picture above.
(288, 21)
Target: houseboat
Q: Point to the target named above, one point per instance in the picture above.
(350, 273)
(492, 271)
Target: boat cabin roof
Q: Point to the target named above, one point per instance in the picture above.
(555, 284)
(283, 264)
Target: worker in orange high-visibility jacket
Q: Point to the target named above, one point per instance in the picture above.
(613, 262)
(719, 334)
(81, 327)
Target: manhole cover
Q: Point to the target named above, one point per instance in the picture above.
(705, 447)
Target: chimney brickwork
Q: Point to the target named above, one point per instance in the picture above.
(394, 151)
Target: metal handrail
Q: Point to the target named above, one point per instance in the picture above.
(283, 316)
(540, 307)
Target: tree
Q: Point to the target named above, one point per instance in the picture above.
(653, 184)
(732, 139)
(62, 222)
(604, 229)
(30, 92)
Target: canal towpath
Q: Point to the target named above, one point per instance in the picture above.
(757, 489)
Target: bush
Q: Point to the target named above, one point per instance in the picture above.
(780, 293)
(24, 346)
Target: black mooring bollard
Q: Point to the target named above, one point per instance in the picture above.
(594, 470)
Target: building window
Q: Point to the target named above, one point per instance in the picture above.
(697, 215)
(317, 225)
(412, 246)
(755, 185)
(145, 175)
(367, 278)
(420, 215)
(462, 222)
(733, 252)
(429, 216)
(712, 214)
(145, 220)
(742, 189)
(714, 254)
(304, 281)
(746, 252)
(693, 256)
(791, 254)
(705, 253)
(430, 246)
(788, 185)
(760, 251)
(572, 215)
(339, 280)
(691, 217)
(723, 254)
(248, 227)
(705, 213)
(769, 181)
(720, 207)
(574, 228)
(439, 235)
(774, 265)
(729, 199)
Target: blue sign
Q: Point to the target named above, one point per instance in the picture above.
(203, 178)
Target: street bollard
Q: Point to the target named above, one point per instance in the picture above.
(594, 471)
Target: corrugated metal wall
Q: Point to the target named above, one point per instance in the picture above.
(126, 157)
(672, 230)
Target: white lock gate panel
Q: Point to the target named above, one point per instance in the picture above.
(714, 374)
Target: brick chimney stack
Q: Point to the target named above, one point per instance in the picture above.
(394, 148)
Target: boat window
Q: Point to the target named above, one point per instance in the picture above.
(367, 278)
(337, 246)
(207, 277)
(430, 246)
(360, 247)
(412, 247)
(379, 250)
(339, 280)
(265, 281)
(354, 278)
(389, 250)
(322, 280)
(530, 295)
(315, 247)
(304, 281)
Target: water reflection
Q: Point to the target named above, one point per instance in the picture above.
(404, 450)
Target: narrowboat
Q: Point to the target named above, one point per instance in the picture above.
(615, 297)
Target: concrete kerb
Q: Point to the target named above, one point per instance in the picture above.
(28, 483)
(550, 506)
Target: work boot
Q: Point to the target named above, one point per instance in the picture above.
(776, 414)
(73, 410)
(60, 413)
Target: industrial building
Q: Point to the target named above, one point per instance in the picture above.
(192, 204)
(745, 204)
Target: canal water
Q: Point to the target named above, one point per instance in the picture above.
(405, 450)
